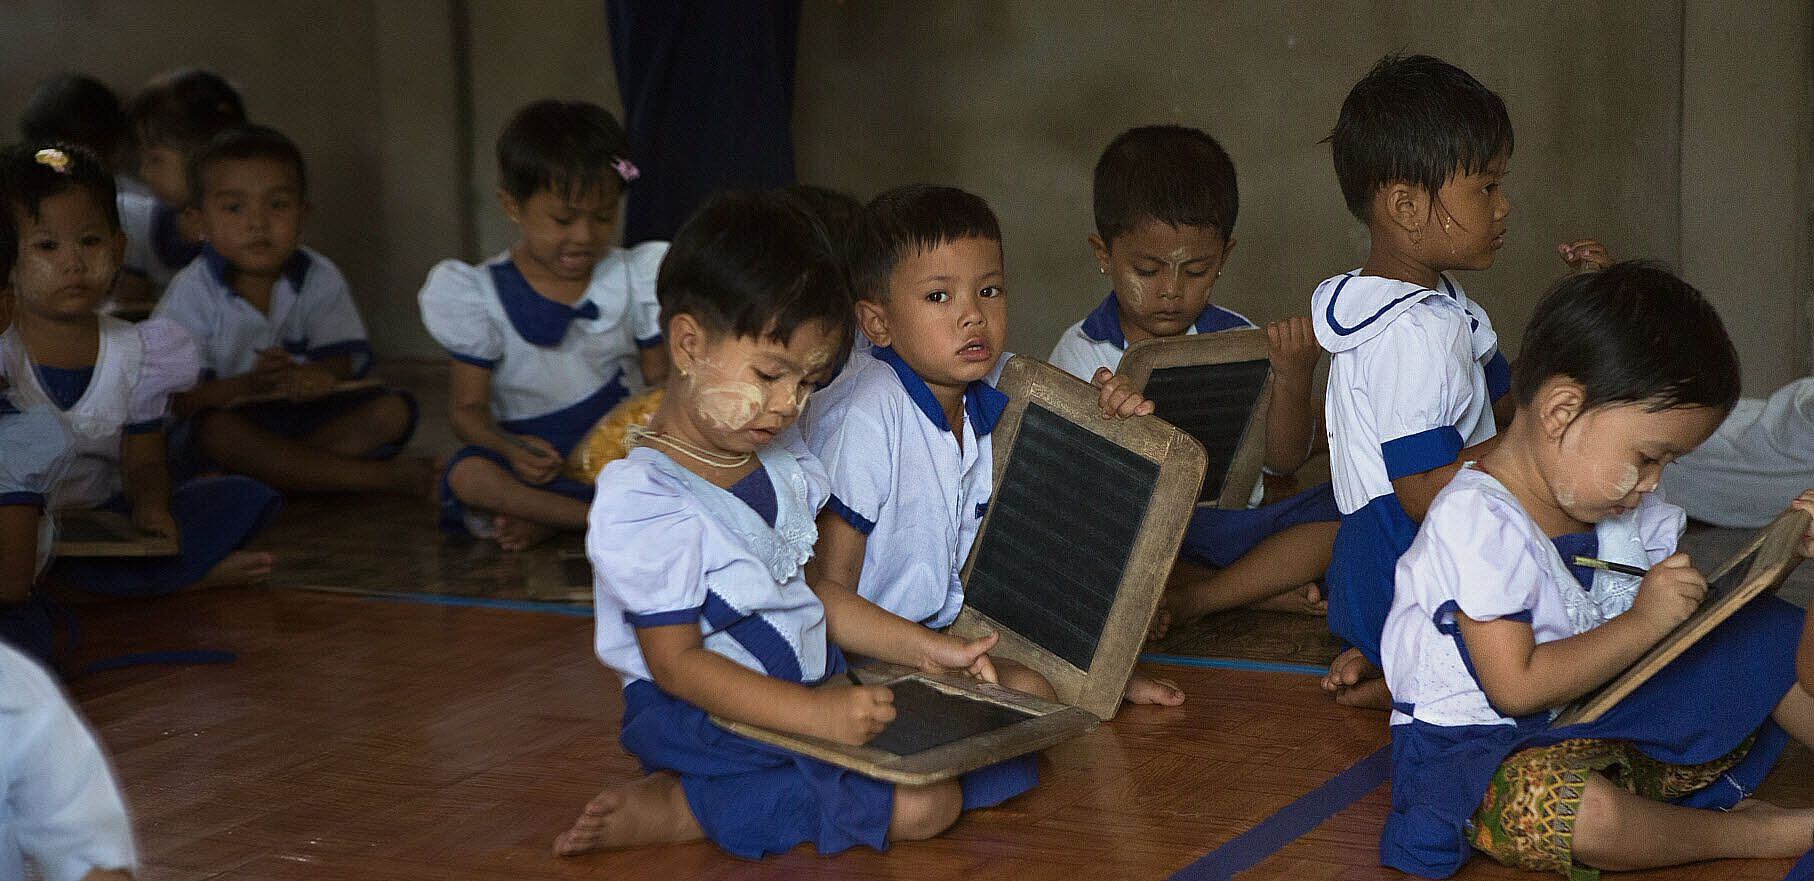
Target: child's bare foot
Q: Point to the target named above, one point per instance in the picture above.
(652, 810)
(240, 568)
(517, 534)
(1306, 599)
(1161, 624)
(1151, 690)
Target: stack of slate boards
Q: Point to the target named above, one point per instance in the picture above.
(1068, 568)
(1755, 570)
(1216, 387)
(89, 533)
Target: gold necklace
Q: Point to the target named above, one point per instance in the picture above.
(637, 434)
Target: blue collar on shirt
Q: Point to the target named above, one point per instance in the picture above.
(1103, 324)
(296, 269)
(983, 404)
(536, 318)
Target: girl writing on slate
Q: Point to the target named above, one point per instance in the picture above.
(1492, 628)
(698, 538)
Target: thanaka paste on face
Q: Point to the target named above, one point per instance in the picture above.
(727, 403)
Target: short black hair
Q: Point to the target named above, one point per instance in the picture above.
(568, 147)
(1415, 119)
(184, 109)
(1170, 173)
(33, 172)
(1630, 333)
(75, 108)
(246, 142)
(908, 220)
(755, 264)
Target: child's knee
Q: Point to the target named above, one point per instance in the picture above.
(389, 416)
(1024, 679)
(920, 812)
(473, 479)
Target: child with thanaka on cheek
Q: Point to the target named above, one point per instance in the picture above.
(1416, 380)
(110, 382)
(906, 432)
(1493, 627)
(1165, 203)
(547, 337)
(698, 539)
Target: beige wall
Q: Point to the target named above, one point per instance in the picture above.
(397, 104)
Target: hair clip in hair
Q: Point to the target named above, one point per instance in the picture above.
(54, 159)
(626, 169)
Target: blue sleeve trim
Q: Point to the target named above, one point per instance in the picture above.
(476, 362)
(35, 500)
(665, 619)
(649, 343)
(147, 427)
(1523, 617)
(1498, 376)
(862, 524)
(1420, 452)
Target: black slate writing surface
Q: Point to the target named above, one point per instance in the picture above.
(1212, 403)
(1062, 526)
(927, 717)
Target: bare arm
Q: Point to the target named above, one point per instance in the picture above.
(863, 627)
(1291, 417)
(18, 552)
(469, 409)
(682, 666)
(1522, 677)
(145, 476)
(1416, 491)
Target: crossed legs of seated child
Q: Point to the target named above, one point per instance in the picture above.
(302, 445)
(517, 481)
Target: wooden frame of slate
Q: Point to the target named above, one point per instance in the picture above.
(1195, 382)
(1068, 568)
(1757, 568)
(92, 533)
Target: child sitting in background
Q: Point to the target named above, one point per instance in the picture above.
(698, 539)
(905, 432)
(172, 118)
(37, 455)
(1492, 629)
(1415, 371)
(547, 337)
(1165, 204)
(109, 381)
(1735, 477)
(270, 316)
(74, 108)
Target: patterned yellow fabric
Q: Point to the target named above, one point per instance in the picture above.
(1527, 818)
(606, 442)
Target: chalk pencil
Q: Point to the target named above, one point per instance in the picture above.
(1610, 566)
(852, 674)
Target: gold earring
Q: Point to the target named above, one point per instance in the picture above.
(1103, 269)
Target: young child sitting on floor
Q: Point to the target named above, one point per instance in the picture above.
(273, 318)
(698, 538)
(38, 450)
(62, 809)
(1415, 371)
(110, 382)
(547, 337)
(1493, 628)
(172, 118)
(1165, 205)
(905, 432)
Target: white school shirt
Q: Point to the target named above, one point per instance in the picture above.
(59, 805)
(667, 547)
(898, 477)
(1413, 374)
(1479, 554)
(38, 452)
(139, 367)
(545, 356)
(1760, 458)
(1098, 341)
(311, 316)
(154, 246)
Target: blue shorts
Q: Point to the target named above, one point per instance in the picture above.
(1218, 536)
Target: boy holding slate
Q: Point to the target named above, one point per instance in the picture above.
(1165, 204)
(905, 432)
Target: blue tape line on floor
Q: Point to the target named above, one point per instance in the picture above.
(569, 609)
(1246, 850)
(1235, 664)
(1804, 870)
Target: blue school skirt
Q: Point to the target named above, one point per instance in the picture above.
(563, 429)
(1220, 536)
(215, 516)
(754, 799)
(1700, 708)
